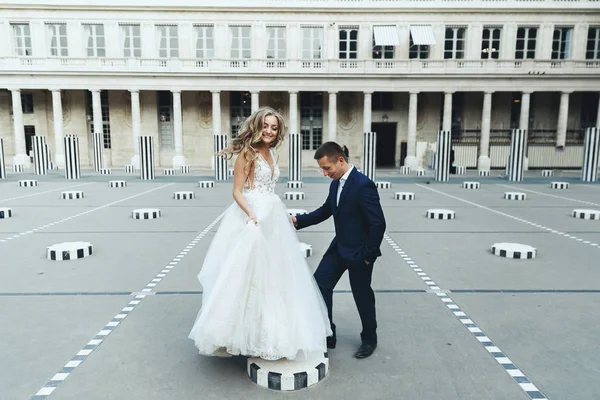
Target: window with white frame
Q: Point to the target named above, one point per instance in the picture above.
(311, 120)
(56, 34)
(418, 51)
(276, 43)
(348, 43)
(312, 43)
(490, 42)
(241, 46)
(526, 40)
(454, 44)
(205, 42)
(385, 52)
(561, 42)
(21, 39)
(168, 41)
(132, 40)
(166, 132)
(94, 40)
(593, 43)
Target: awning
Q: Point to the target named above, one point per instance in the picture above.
(422, 34)
(386, 35)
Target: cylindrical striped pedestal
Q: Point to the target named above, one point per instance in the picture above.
(2, 161)
(98, 143)
(591, 152)
(369, 154)
(442, 156)
(40, 155)
(220, 162)
(294, 195)
(295, 160)
(146, 144)
(72, 164)
(517, 155)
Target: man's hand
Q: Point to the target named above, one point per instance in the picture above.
(294, 220)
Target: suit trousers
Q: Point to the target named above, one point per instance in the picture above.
(330, 270)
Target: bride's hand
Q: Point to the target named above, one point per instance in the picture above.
(252, 217)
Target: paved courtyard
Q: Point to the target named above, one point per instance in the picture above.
(455, 321)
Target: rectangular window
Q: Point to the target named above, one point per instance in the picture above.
(276, 43)
(592, 51)
(241, 46)
(205, 41)
(348, 42)
(311, 120)
(94, 40)
(57, 39)
(525, 46)
(29, 134)
(419, 51)
(168, 41)
(105, 116)
(561, 43)
(454, 44)
(166, 132)
(312, 43)
(27, 103)
(132, 41)
(21, 39)
(382, 52)
(490, 43)
(239, 109)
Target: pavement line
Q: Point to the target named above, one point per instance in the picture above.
(550, 195)
(47, 191)
(511, 369)
(80, 214)
(564, 234)
(69, 367)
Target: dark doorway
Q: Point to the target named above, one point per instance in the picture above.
(29, 134)
(403, 152)
(386, 143)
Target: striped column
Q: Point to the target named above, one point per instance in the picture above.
(295, 158)
(517, 155)
(442, 156)
(591, 153)
(220, 162)
(72, 164)
(98, 142)
(2, 161)
(146, 158)
(40, 155)
(369, 152)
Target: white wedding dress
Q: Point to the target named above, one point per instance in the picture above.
(259, 296)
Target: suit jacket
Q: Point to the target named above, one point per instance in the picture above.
(359, 221)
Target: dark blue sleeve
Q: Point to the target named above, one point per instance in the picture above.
(370, 206)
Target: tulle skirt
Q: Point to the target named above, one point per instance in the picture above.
(259, 296)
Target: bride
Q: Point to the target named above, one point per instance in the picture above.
(259, 296)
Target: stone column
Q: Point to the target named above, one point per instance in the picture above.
(332, 130)
(136, 122)
(57, 113)
(20, 157)
(524, 123)
(561, 125)
(411, 148)
(484, 162)
(254, 102)
(598, 115)
(178, 159)
(367, 110)
(447, 118)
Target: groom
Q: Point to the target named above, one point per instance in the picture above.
(359, 227)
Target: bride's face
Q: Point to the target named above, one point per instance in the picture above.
(270, 129)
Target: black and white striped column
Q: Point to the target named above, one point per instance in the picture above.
(442, 156)
(220, 161)
(40, 155)
(591, 152)
(295, 159)
(517, 155)
(2, 162)
(98, 141)
(146, 158)
(369, 153)
(72, 164)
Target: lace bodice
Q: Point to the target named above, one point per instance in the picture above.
(265, 178)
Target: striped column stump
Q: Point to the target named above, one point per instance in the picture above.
(69, 251)
(72, 162)
(306, 249)
(514, 196)
(442, 157)
(471, 185)
(419, 172)
(72, 195)
(484, 172)
(185, 195)
(404, 196)
(206, 184)
(383, 185)
(517, 155)
(295, 185)
(547, 172)
(440, 214)
(169, 171)
(219, 142)
(514, 250)
(461, 170)
(185, 169)
(28, 183)
(405, 170)
(295, 211)
(130, 169)
(294, 155)
(117, 184)
(2, 161)
(146, 144)
(369, 154)
(98, 144)
(591, 155)
(559, 185)
(105, 171)
(18, 168)
(146, 213)
(288, 375)
(5, 212)
(294, 195)
(586, 214)
(230, 172)
(40, 155)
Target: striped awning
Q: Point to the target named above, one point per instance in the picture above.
(422, 34)
(386, 35)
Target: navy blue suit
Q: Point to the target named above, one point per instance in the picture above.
(359, 229)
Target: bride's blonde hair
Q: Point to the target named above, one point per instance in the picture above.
(250, 134)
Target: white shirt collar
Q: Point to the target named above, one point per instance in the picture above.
(347, 174)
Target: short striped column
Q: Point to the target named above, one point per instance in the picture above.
(591, 152)
(40, 155)
(220, 161)
(369, 154)
(517, 155)
(442, 156)
(72, 164)
(295, 160)
(146, 158)
(2, 161)
(98, 142)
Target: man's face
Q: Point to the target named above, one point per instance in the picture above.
(334, 170)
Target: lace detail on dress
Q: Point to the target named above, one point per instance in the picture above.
(264, 177)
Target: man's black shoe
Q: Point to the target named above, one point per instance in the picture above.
(331, 342)
(365, 350)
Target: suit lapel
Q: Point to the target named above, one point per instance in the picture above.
(346, 188)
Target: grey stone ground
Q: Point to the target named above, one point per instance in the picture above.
(542, 313)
